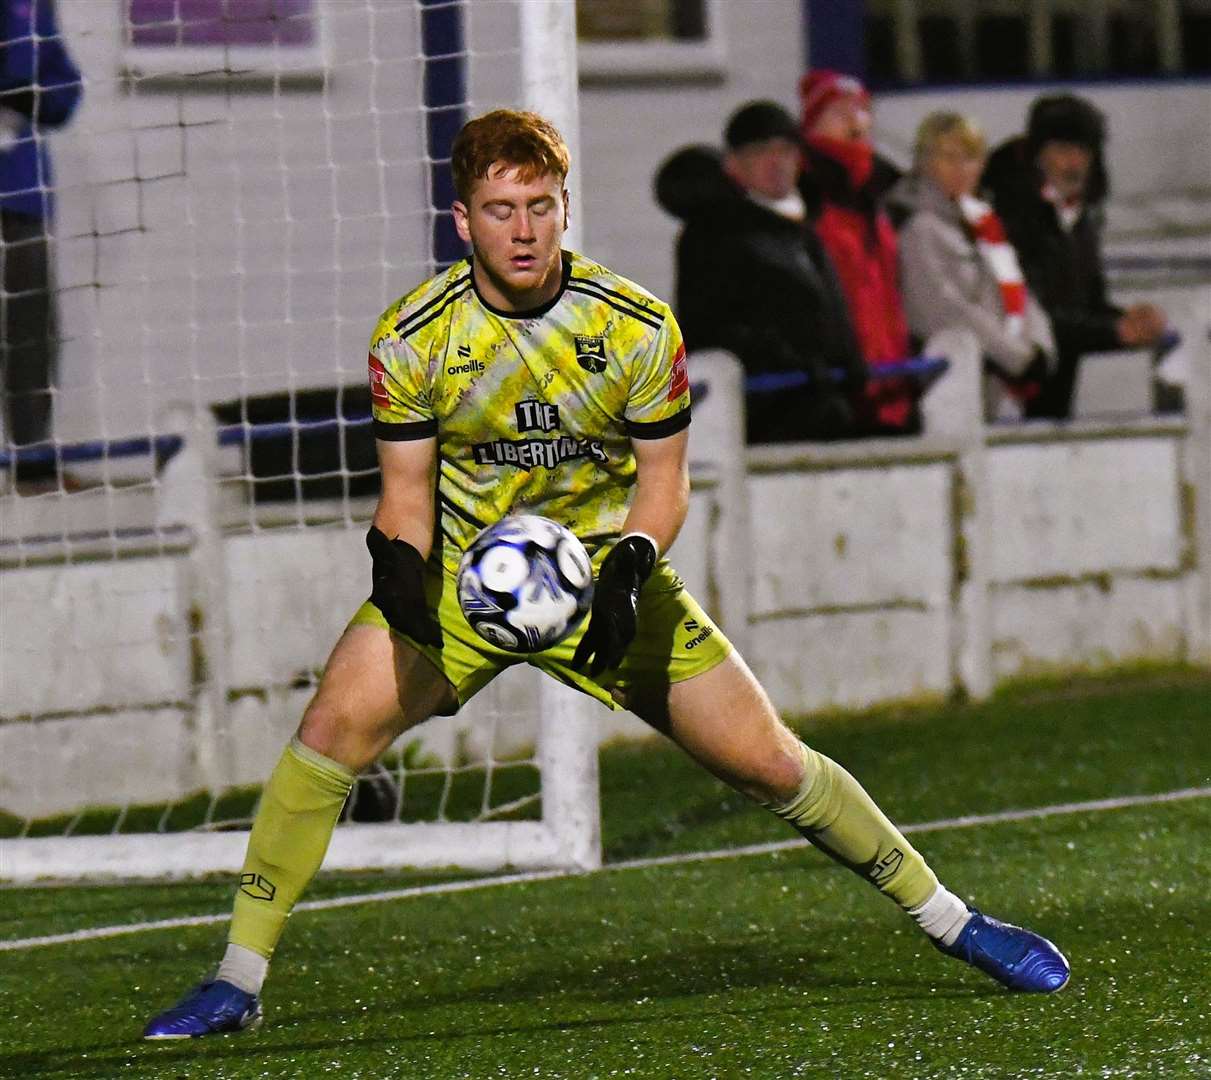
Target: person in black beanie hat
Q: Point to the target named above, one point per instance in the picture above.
(754, 279)
(1065, 136)
(1049, 186)
(759, 121)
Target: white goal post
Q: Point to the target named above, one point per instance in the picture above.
(566, 836)
(159, 629)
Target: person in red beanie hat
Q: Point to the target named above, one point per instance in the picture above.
(819, 90)
(842, 184)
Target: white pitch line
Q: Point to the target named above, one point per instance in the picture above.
(966, 822)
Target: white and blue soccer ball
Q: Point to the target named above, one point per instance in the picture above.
(525, 583)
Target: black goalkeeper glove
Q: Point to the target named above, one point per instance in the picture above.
(398, 591)
(612, 618)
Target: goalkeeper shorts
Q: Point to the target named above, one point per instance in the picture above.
(675, 641)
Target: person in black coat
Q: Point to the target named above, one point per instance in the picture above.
(753, 278)
(40, 88)
(1048, 187)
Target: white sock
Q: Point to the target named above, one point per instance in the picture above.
(942, 916)
(243, 968)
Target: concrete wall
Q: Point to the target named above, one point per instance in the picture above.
(856, 576)
(854, 568)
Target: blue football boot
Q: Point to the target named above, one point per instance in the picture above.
(208, 1009)
(1017, 958)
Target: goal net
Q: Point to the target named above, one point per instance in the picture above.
(243, 187)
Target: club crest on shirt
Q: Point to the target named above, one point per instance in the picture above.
(590, 353)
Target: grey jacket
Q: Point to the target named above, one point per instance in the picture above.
(946, 282)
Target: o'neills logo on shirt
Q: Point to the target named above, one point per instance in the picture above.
(529, 453)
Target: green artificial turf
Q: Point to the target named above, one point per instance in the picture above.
(764, 966)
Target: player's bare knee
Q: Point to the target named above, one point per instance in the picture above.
(336, 732)
(781, 777)
(775, 762)
(773, 777)
(321, 725)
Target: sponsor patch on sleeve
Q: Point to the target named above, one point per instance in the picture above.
(378, 384)
(679, 377)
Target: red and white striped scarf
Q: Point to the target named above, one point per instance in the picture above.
(1001, 259)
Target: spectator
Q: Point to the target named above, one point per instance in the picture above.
(959, 271)
(753, 278)
(39, 89)
(842, 184)
(1048, 186)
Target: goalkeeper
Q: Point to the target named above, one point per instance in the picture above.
(528, 377)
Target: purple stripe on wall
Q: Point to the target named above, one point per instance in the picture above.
(221, 22)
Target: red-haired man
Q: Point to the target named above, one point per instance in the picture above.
(582, 373)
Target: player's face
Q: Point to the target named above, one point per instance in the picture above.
(769, 168)
(515, 228)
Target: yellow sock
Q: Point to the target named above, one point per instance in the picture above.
(834, 812)
(299, 809)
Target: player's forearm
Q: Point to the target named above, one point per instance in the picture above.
(405, 506)
(659, 508)
(407, 518)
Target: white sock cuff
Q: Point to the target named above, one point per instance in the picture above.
(243, 968)
(942, 916)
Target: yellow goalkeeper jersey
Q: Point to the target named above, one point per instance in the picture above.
(534, 411)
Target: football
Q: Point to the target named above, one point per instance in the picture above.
(525, 583)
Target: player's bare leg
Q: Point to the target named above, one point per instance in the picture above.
(725, 721)
(375, 686)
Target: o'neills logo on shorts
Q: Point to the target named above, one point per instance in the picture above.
(700, 632)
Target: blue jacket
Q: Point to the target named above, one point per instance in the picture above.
(38, 80)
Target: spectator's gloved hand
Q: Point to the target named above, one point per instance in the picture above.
(612, 619)
(398, 577)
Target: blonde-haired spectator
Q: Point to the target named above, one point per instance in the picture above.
(958, 269)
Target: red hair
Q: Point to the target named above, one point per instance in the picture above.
(524, 140)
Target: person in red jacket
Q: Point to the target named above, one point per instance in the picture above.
(842, 182)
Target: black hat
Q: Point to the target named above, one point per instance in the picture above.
(1065, 118)
(758, 121)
